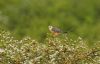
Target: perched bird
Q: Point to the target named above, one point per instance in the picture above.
(54, 30)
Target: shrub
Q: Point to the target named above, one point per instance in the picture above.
(53, 51)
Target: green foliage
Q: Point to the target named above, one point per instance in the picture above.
(52, 51)
(31, 17)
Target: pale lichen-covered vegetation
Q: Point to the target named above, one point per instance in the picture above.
(53, 51)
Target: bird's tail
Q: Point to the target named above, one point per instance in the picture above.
(65, 32)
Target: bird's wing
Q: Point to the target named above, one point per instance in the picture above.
(55, 29)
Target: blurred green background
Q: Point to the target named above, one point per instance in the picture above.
(32, 17)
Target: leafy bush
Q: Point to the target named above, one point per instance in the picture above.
(53, 51)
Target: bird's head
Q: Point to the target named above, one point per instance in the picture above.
(50, 27)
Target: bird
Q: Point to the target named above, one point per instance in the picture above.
(55, 30)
